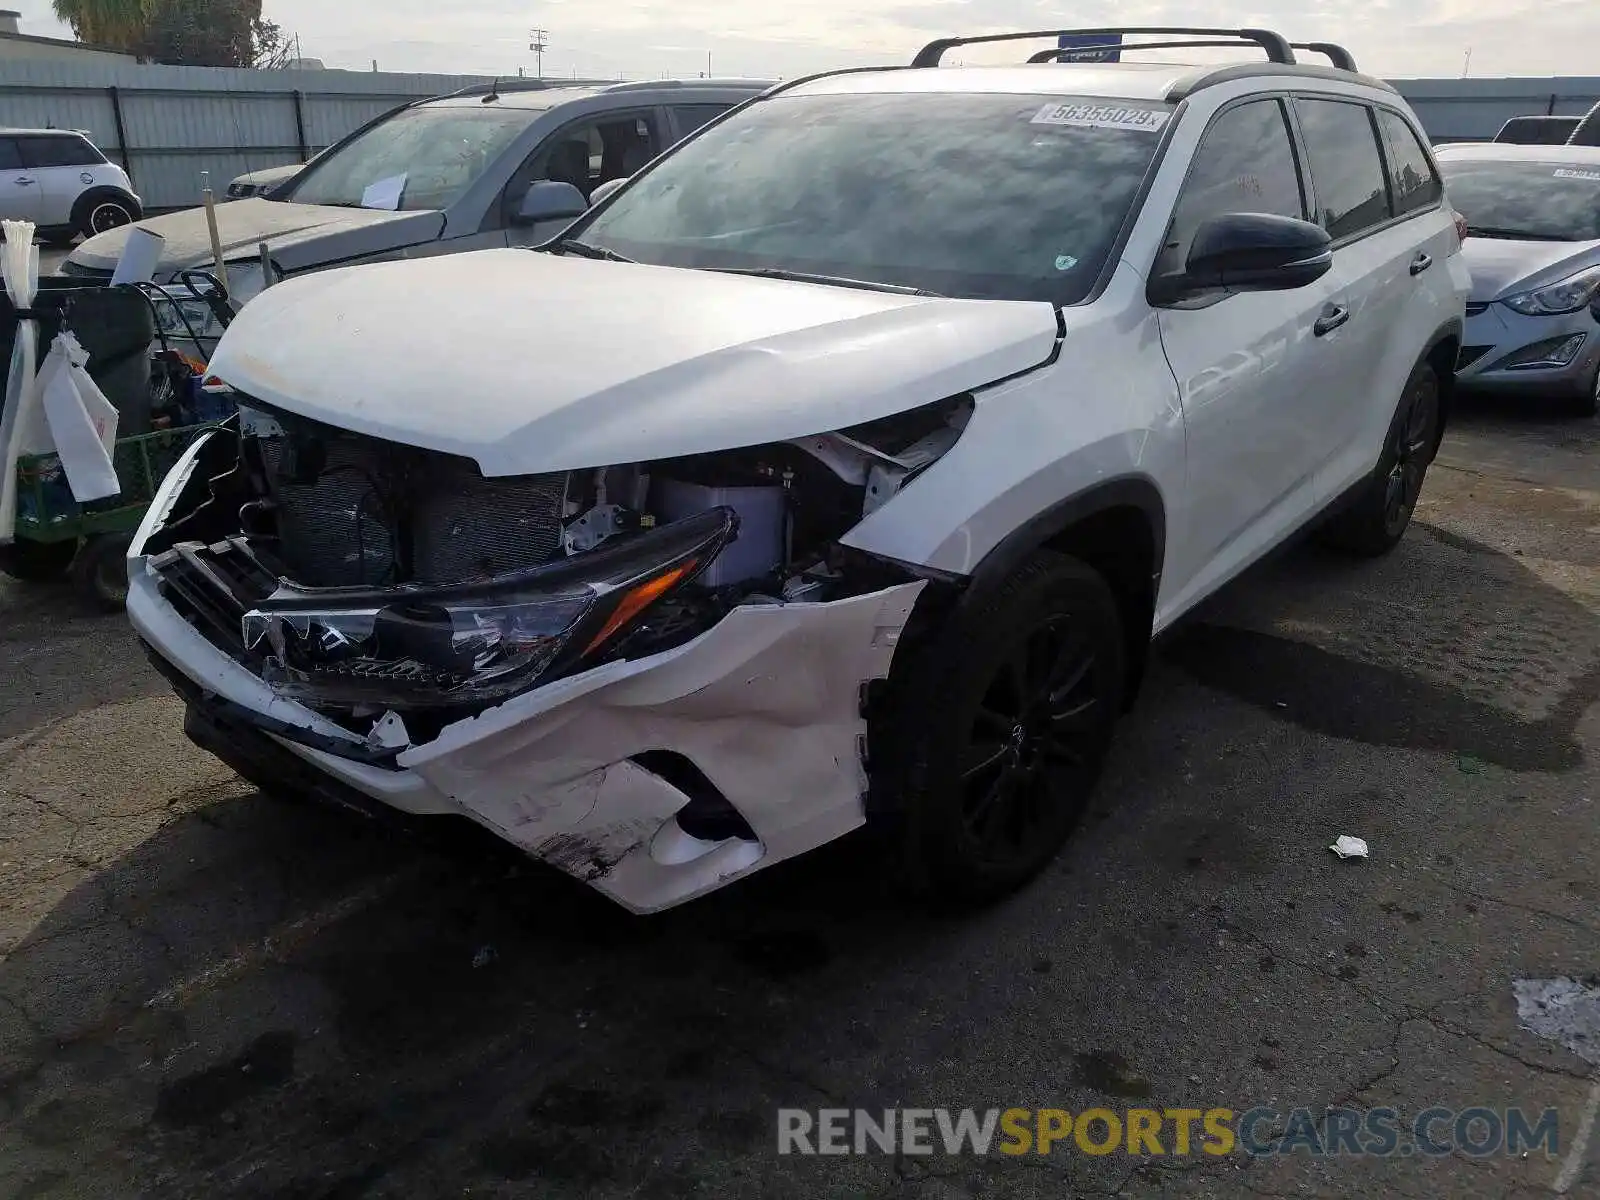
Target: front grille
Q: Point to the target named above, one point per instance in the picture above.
(1470, 355)
(1476, 308)
(358, 511)
(212, 587)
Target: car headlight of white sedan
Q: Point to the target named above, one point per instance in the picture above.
(183, 315)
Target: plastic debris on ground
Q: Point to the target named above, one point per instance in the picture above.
(1350, 847)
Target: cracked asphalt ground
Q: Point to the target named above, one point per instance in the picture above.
(205, 993)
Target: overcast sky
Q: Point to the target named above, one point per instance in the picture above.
(638, 39)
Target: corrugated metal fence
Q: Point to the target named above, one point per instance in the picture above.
(168, 124)
(1473, 110)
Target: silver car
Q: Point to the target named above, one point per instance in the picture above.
(1533, 246)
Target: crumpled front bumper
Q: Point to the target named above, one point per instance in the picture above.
(767, 705)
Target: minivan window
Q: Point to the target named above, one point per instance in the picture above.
(1536, 201)
(692, 116)
(1245, 163)
(1412, 178)
(1011, 197)
(41, 152)
(419, 158)
(1352, 189)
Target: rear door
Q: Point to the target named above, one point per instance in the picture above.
(1242, 362)
(19, 187)
(1391, 237)
(62, 164)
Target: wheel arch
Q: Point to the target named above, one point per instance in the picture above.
(1442, 354)
(1118, 527)
(91, 196)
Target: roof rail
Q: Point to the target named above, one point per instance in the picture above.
(1275, 44)
(1336, 54)
(1068, 53)
(635, 85)
(514, 84)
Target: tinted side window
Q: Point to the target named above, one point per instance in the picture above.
(59, 152)
(1245, 163)
(10, 160)
(1411, 175)
(691, 116)
(1352, 190)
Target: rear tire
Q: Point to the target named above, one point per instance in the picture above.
(996, 729)
(1377, 517)
(37, 562)
(100, 572)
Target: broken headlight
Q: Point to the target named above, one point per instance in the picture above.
(428, 646)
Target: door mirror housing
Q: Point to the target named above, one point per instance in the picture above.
(1248, 252)
(548, 200)
(606, 189)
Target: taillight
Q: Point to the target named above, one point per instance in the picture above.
(1461, 230)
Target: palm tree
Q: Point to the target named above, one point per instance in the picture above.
(118, 23)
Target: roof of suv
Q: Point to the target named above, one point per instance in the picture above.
(1168, 82)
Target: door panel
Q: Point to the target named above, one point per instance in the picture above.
(61, 166)
(19, 187)
(1243, 363)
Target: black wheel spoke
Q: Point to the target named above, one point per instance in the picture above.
(988, 758)
(997, 724)
(1074, 720)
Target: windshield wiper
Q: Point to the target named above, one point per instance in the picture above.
(867, 285)
(1513, 235)
(585, 250)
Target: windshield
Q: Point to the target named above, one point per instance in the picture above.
(1009, 197)
(419, 158)
(1542, 201)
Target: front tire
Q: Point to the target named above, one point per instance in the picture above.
(998, 727)
(100, 572)
(1587, 403)
(37, 562)
(1378, 516)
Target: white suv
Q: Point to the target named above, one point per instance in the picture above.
(59, 180)
(839, 467)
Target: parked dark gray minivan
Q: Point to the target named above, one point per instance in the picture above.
(439, 176)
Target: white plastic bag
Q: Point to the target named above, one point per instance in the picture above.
(19, 265)
(82, 422)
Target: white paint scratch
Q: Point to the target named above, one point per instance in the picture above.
(1573, 1166)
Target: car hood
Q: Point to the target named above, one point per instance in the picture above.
(528, 362)
(245, 224)
(1502, 267)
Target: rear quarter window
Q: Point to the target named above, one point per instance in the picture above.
(1416, 185)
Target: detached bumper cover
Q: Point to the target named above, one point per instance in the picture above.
(767, 704)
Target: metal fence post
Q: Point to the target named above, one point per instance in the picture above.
(122, 133)
(300, 124)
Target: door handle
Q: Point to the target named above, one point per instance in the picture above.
(23, 182)
(1331, 320)
(1421, 263)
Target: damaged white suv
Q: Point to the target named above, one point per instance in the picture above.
(839, 467)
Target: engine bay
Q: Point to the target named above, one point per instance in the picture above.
(363, 577)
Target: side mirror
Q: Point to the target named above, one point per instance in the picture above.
(1249, 252)
(605, 190)
(548, 200)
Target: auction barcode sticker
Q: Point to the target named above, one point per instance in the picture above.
(1570, 173)
(1101, 116)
